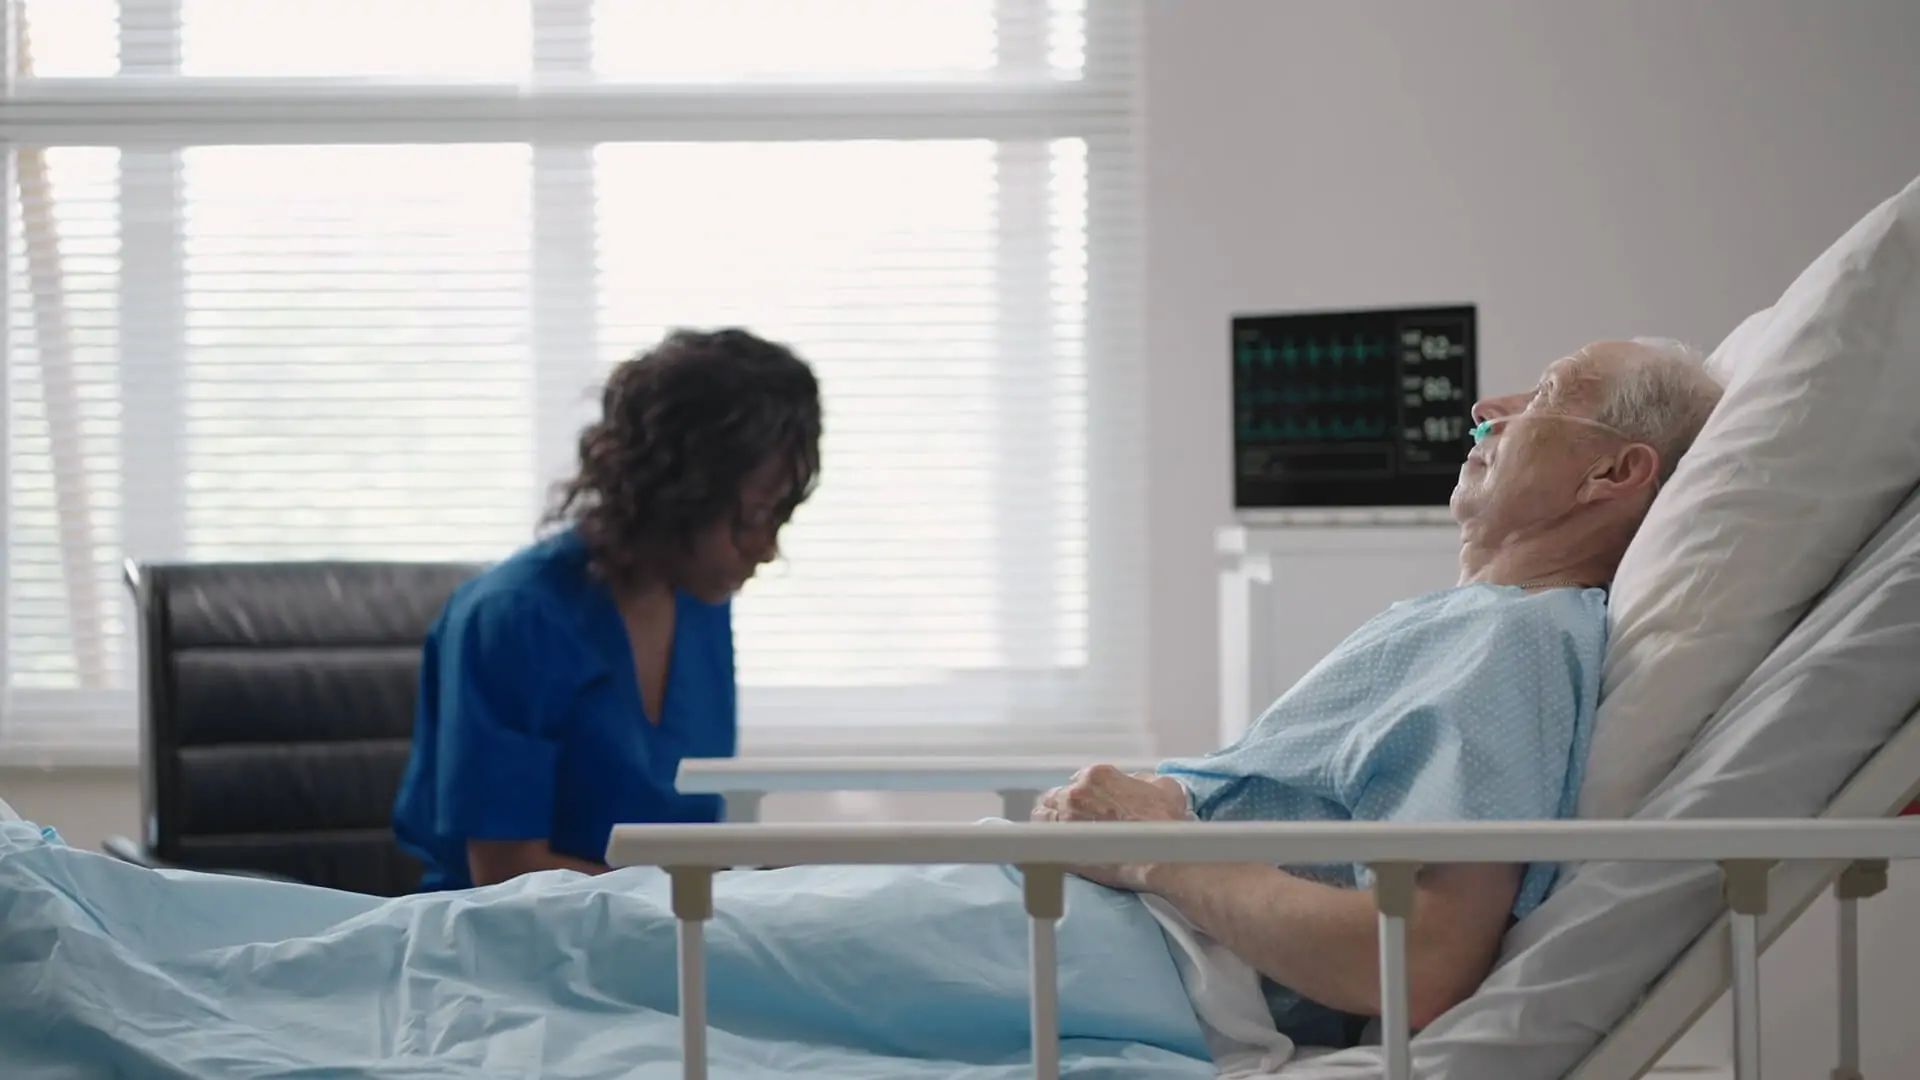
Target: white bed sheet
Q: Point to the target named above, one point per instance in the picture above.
(1227, 999)
(1821, 705)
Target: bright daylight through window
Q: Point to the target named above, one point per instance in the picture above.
(279, 287)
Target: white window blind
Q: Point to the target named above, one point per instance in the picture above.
(337, 279)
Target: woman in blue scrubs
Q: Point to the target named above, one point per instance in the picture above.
(560, 689)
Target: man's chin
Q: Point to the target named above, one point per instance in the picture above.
(1461, 504)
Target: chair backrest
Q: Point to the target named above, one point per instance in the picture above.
(276, 708)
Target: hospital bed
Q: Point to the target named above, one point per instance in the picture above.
(1744, 850)
(1884, 786)
(1778, 796)
(1691, 929)
(1847, 851)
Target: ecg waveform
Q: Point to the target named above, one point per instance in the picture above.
(1351, 408)
(1313, 390)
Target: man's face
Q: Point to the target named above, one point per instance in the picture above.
(1534, 465)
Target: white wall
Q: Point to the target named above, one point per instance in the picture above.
(1578, 170)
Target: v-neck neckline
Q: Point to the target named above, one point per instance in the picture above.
(624, 638)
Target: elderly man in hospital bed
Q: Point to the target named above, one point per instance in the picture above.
(1472, 703)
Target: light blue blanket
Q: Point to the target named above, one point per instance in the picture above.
(902, 973)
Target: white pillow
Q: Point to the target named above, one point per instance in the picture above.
(1814, 444)
(1739, 345)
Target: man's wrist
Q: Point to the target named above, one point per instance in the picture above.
(1169, 880)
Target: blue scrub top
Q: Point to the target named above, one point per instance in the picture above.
(529, 724)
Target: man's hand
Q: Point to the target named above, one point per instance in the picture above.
(1104, 793)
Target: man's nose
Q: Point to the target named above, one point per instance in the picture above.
(1494, 408)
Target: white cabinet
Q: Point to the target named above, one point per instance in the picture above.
(1293, 585)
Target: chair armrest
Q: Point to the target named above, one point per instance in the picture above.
(131, 851)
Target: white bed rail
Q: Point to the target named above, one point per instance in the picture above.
(1746, 850)
(745, 781)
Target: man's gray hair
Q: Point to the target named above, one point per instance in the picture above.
(1664, 401)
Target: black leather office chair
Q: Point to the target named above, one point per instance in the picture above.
(276, 715)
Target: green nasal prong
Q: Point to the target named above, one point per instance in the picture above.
(1481, 430)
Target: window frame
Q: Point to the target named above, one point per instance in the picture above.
(152, 114)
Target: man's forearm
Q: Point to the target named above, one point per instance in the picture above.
(1318, 941)
(1324, 942)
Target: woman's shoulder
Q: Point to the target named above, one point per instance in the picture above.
(521, 628)
(550, 561)
(544, 582)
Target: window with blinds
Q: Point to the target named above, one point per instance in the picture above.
(338, 279)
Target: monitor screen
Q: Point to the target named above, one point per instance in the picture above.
(1351, 408)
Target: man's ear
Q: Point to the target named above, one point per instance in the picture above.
(1634, 469)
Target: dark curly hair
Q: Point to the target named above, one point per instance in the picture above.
(682, 426)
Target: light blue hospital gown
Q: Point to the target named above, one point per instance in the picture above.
(1471, 704)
